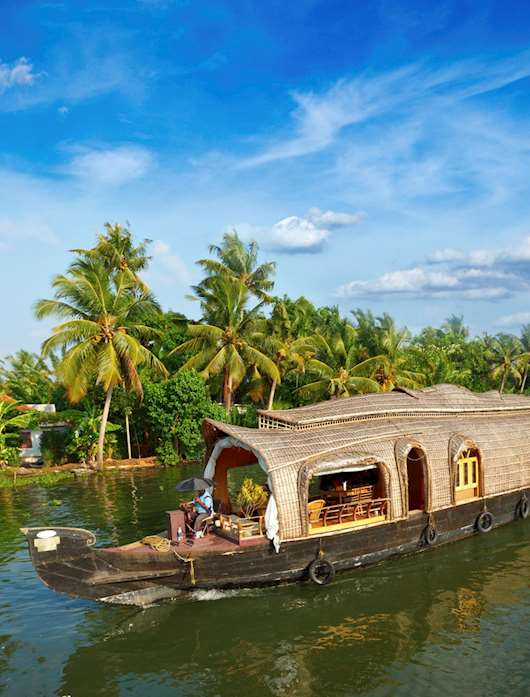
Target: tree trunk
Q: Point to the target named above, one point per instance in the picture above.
(525, 376)
(502, 382)
(103, 426)
(271, 395)
(227, 391)
(128, 433)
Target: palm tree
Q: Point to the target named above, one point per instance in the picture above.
(104, 332)
(391, 365)
(27, 378)
(505, 354)
(116, 250)
(282, 340)
(336, 368)
(455, 327)
(525, 356)
(238, 262)
(227, 347)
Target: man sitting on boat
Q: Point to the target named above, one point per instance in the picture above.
(201, 507)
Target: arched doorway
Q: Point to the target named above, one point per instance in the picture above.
(416, 480)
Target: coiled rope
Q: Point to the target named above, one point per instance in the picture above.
(163, 545)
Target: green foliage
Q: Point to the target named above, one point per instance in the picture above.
(27, 378)
(167, 454)
(174, 412)
(54, 446)
(244, 415)
(251, 497)
(10, 481)
(83, 443)
(12, 419)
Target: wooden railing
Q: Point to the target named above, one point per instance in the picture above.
(352, 512)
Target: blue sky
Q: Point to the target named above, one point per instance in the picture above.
(379, 152)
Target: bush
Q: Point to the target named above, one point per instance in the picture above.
(9, 455)
(54, 443)
(166, 454)
(174, 412)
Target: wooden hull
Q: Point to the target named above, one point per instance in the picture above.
(135, 574)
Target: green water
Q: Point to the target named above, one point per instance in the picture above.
(455, 621)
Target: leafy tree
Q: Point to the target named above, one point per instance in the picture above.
(227, 348)
(174, 412)
(505, 355)
(238, 262)
(338, 372)
(117, 251)
(392, 365)
(103, 332)
(12, 419)
(27, 378)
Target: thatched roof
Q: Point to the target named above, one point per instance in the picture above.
(382, 427)
(439, 399)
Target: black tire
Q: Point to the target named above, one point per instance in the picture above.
(485, 521)
(523, 508)
(430, 535)
(321, 572)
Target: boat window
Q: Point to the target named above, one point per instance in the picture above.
(346, 498)
(467, 476)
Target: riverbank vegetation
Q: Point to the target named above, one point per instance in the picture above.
(130, 379)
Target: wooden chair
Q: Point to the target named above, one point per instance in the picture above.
(332, 514)
(314, 509)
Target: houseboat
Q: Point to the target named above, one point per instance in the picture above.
(352, 482)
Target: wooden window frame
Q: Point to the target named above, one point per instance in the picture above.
(467, 476)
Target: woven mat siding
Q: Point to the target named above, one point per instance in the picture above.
(502, 439)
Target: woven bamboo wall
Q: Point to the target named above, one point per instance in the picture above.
(501, 438)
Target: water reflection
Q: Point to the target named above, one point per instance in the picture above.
(405, 627)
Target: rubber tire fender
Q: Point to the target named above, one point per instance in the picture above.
(485, 521)
(430, 535)
(523, 508)
(321, 572)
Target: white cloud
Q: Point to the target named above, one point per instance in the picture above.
(319, 118)
(331, 219)
(480, 274)
(110, 166)
(514, 320)
(63, 110)
(18, 73)
(299, 235)
(294, 234)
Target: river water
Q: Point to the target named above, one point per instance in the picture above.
(452, 621)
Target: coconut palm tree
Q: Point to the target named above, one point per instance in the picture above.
(104, 332)
(227, 348)
(524, 359)
(455, 327)
(115, 248)
(281, 339)
(238, 262)
(505, 354)
(336, 368)
(390, 367)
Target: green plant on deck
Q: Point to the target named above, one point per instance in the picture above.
(251, 498)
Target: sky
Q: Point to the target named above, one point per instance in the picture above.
(379, 152)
